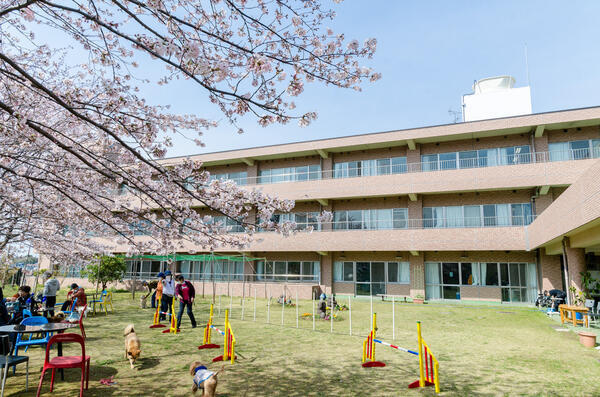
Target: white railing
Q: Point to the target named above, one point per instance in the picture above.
(428, 166)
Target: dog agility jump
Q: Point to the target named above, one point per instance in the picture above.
(228, 341)
(206, 343)
(428, 364)
(173, 329)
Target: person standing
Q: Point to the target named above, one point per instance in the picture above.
(168, 291)
(186, 293)
(51, 287)
(159, 294)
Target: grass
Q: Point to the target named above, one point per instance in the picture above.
(483, 350)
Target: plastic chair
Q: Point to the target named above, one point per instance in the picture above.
(106, 302)
(6, 360)
(37, 320)
(73, 306)
(80, 322)
(82, 361)
(93, 302)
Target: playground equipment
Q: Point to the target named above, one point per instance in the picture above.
(156, 320)
(173, 329)
(206, 343)
(228, 341)
(428, 364)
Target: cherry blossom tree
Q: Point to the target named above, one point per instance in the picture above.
(81, 148)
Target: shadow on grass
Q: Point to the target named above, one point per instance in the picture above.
(147, 363)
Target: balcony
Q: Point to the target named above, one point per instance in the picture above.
(452, 234)
(524, 171)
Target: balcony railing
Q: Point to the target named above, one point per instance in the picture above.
(428, 166)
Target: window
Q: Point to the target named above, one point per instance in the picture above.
(489, 274)
(470, 273)
(292, 271)
(303, 220)
(290, 174)
(372, 272)
(574, 150)
(227, 224)
(430, 162)
(241, 178)
(385, 166)
(393, 218)
(447, 161)
(467, 159)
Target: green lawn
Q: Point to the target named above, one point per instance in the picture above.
(486, 350)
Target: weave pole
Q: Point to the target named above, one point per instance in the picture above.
(297, 314)
(350, 313)
(313, 307)
(254, 304)
(282, 305)
(393, 318)
(269, 310)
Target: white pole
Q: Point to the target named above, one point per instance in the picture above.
(282, 305)
(269, 310)
(393, 318)
(230, 303)
(350, 313)
(371, 306)
(331, 314)
(297, 308)
(219, 305)
(255, 304)
(242, 308)
(313, 305)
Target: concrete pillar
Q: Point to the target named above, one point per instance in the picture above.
(541, 143)
(415, 213)
(551, 275)
(417, 275)
(327, 167)
(413, 158)
(252, 171)
(576, 262)
(327, 273)
(329, 207)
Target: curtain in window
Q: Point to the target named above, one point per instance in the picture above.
(260, 270)
(531, 279)
(559, 151)
(338, 270)
(317, 272)
(340, 170)
(404, 274)
(429, 162)
(454, 216)
(400, 216)
(475, 274)
(472, 215)
(432, 276)
(385, 219)
(483, 268)
(438, 216)
(502, 214)
(596, 148)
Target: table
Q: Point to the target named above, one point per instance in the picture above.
(566, 309)
(32, 329)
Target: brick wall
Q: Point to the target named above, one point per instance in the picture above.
(551, 273)
(481, 293)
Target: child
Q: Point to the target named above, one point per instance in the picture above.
(25, 301)
(168, 290)
(186, 293)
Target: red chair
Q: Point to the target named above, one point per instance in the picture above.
(80, 322)
(82, 361)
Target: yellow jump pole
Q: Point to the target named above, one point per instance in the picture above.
(436, 379)
(225, 344)
(373, 337)
(420, 342)
(156, 320)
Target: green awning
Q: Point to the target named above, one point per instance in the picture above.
(202, 257)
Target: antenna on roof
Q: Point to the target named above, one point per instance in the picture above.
(455, 114)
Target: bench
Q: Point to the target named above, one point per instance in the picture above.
(383, 296)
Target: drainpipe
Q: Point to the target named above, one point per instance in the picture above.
(566, 266)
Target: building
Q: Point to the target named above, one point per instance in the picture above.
(496, 209)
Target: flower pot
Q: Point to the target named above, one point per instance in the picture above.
(587, 339)
(418, 300)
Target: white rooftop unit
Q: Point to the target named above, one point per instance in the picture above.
(496, 97)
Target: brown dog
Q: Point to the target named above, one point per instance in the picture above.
(132, 345)
(204, 379)
(57, 318)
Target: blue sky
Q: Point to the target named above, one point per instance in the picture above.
(429, 53)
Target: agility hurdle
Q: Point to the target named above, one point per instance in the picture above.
(428, 376)
(428, 364)
(206, 343)
(173, 329)
(228, 341)
(156, 320)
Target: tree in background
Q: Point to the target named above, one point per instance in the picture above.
(81, 149)
(111, 269)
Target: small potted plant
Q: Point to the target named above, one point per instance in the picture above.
(418, 299)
